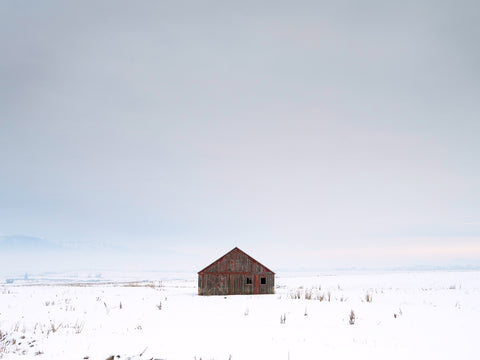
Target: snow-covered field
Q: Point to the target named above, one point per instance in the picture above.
(398, 315)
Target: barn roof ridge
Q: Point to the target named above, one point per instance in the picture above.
(243, 252)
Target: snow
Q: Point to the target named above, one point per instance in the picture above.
(397, 315)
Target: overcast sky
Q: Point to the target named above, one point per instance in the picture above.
(308, 133)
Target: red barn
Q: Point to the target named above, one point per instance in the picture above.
(236, 273)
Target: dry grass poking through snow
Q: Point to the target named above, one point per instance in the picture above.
(349, 315)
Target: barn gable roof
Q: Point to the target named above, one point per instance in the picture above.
(236, 249)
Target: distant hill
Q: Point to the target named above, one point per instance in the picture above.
(26, 244)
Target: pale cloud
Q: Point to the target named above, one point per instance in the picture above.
(178, 127)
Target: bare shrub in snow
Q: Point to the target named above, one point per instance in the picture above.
(397, 314)
(156, 285)
(368, 297)
(78, 327)
(3, 343)
(295, 294)
(16, 327)
(308, 294)
(351, 320)
(53, 327)
(298, 294)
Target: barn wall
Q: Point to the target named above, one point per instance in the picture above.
(235, 284)
(213, 284)
(236, 261)
(228, 276)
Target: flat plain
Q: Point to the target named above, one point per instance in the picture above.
(337, 315)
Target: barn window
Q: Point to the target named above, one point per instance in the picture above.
(263, 280)
(249, 281)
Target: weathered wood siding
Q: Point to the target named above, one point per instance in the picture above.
(236, 273)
